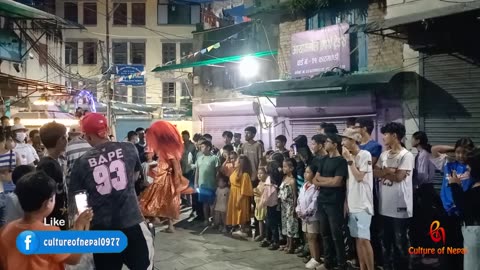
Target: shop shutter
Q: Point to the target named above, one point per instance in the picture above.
(215, 126)
(450, 101)
(309, 127)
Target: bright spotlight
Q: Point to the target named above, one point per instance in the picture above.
(249, 67)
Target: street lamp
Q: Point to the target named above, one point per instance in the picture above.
(249, 67)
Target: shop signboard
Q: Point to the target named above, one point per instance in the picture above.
(318, 51)
(133, 75)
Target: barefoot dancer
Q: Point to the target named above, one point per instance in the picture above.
(162, 198)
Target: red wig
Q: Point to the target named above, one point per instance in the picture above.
(164, 140)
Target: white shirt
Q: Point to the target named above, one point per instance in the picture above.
(307, 202)
(396, 199)
(26, 153)
(360, 193)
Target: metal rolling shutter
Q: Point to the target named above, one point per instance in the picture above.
(450, 100)
(309, 127)
(215, 126)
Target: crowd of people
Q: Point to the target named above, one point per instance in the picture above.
(340, 200)
(337, 199)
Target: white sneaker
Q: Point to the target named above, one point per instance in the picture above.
(312, 264)
(321, 267)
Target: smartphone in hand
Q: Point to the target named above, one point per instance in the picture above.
(81, 201)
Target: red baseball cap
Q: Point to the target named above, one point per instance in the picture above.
(95, 123)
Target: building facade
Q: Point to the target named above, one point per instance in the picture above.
(144, 33)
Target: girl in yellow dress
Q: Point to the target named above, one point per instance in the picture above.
(241, 191)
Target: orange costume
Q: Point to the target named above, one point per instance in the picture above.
(162, 197)
(239, 187)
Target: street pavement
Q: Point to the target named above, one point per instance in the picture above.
(189, 248)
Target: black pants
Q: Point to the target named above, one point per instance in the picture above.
(454, 239)
(395, 243)
(376, 229)
(426, 209)
(138, 255)
(331, 228)
(273, 224)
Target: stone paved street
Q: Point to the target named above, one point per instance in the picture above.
(187, 249)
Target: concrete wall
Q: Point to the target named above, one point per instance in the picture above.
(153, 39)
(285, 49)
(399, 8)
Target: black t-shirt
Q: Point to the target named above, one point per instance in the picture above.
(317, 161)
(53, 169)
(331, 167)
(107, 172)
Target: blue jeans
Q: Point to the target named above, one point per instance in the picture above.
(3, 200)
(471, 241)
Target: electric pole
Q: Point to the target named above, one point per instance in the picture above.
(107, 81)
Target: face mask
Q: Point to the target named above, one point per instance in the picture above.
(21, 136)
(137, 140)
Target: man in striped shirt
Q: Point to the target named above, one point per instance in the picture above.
(76, 147)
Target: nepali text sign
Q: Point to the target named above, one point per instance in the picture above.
(318, 51)
(131, 74)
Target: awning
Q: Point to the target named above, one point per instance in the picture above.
(9, 85)
(377, 26)
(14, 10)
(321, 84)
(214, 61)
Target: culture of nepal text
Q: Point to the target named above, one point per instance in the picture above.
(439, 251)
(101, 241)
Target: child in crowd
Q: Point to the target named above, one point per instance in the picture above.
(221, 201)
(468, 203)
(260, 209)
(238, 211)
(205, 178)
(36, 194)
(148, 165)
(270, 200)
(288, 197)
(13, 210)
(452, 223)
(307, 211)
(229, 165)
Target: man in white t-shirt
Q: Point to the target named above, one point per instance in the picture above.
(359, 195)
(394, 170)
(26, 154)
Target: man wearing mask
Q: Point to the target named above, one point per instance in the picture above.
(26, 153)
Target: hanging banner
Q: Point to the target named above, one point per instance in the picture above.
(318, 51)
(131, 74)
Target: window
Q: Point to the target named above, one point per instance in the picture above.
(178, 13)
(120, 93)
(70, 11)
(90, 13)
(168, 93)
(185, 97)
(120, 53)
(169, 52)
(120, 14)
(71, 53)
(138, 94)
(138, 13)
(186, 49)
(137, 53)
(89, 53)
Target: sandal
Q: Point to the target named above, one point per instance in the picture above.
(282, 248)
(289, 251)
